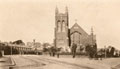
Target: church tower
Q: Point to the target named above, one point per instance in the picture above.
(61, 29)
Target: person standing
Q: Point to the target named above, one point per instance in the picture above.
(58, 52)
(74, 47)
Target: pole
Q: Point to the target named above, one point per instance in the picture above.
(92, 35)
(35, 47)
(11, 49)
(105, 52)
(79, 39)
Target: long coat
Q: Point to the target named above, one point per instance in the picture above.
(74, 47)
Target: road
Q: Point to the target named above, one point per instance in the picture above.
(38, 62)
(47, 62)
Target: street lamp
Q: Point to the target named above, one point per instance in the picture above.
(11, 49)
(35, 47)
(105, 52)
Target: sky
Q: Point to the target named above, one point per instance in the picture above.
(35, 19)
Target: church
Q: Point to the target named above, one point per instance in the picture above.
(64, 36)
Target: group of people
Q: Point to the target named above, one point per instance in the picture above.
(91, 51)
(56, 51)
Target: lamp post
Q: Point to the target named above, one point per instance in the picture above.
(92, 37)
(105, 52)
(11, 49)
(35, 47)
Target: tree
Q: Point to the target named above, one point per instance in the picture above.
(19, 42)
(91, 50)
(45, 45)
(112, 51)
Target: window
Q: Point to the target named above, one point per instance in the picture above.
(63, 26)
(59, 26)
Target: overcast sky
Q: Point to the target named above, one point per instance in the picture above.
(35, 19)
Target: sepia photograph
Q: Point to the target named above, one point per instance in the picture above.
(59, 34)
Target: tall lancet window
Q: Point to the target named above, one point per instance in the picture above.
(63, 26)
(59, 26)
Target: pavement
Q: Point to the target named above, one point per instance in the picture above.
(64, 62)
(6, 62)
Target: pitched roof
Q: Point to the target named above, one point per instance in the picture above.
(76, 27)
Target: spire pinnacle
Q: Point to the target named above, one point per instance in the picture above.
(66, 9)
(56, 10)
(92, 30)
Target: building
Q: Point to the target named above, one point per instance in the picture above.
(61, 29)
(65, 36)
(34, 44)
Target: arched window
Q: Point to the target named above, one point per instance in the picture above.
(63, 26)
(59, 26)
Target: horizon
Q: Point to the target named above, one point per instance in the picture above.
(27, 19)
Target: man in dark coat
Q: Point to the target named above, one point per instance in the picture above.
(58, 51)
(74, 47)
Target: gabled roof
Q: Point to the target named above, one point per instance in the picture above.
(76, 27)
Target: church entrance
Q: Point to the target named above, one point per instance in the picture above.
(75, 38)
